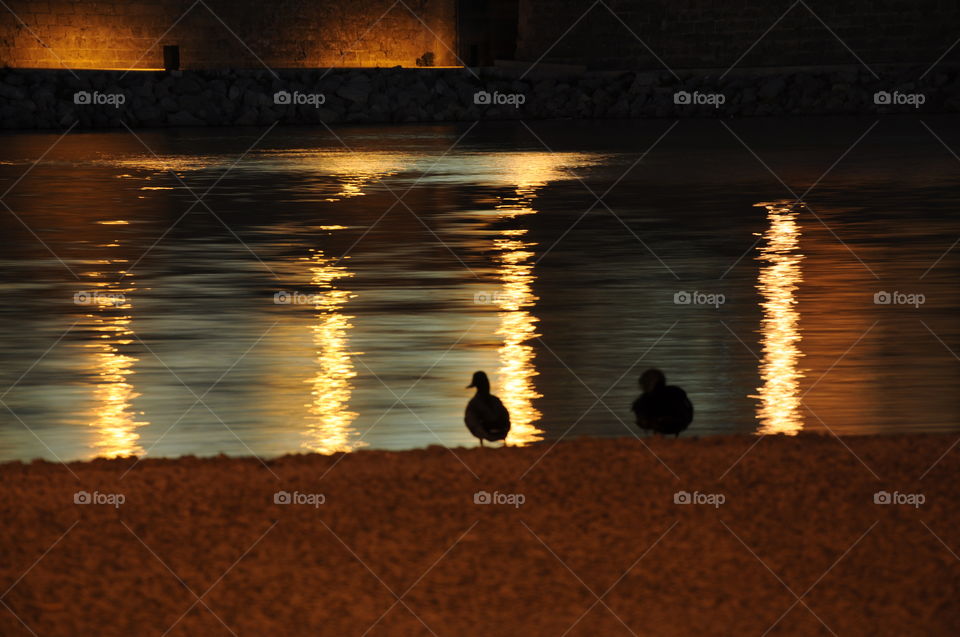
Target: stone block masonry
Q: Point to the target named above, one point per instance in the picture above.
(611, 35)
(105, 34)
(685, 34)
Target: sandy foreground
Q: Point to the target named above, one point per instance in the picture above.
(584, 538)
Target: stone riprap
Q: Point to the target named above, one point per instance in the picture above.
(46, 99)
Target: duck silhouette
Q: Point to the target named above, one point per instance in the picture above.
(486, 417)
(663, 409)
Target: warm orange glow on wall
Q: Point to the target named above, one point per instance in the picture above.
(130, 34)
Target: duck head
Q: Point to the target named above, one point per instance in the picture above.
(652, 379)
(481, 382)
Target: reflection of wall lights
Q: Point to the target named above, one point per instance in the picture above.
(171, 57)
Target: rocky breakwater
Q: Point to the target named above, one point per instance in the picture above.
(56, 99)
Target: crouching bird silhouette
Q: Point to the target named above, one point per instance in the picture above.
(486, 417)
(663, 409)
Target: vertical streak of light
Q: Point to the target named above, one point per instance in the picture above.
(114, 420)
(779, 396)
(329, 428)
(517, 323)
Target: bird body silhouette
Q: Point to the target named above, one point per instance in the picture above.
(486, 417)
(664, 409)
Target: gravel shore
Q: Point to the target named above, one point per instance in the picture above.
(716, 536)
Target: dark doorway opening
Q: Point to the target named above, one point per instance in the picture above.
(487, 30)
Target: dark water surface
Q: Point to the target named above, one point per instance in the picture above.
(137, 319)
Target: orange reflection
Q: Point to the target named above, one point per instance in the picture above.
(779, 408)
(356, 170)
(515, 298)
(329, 429)
(114, 420)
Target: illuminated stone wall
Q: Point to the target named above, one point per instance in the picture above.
(698, 34)
(230, 33)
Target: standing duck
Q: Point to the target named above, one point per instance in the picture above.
(664, 409)
(486, 417)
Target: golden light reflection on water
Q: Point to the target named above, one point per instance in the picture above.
(353, 170)
(780, 276)
(114, 419)
(515, 298)
(356, 170)
(329, 423)
(517, 327)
